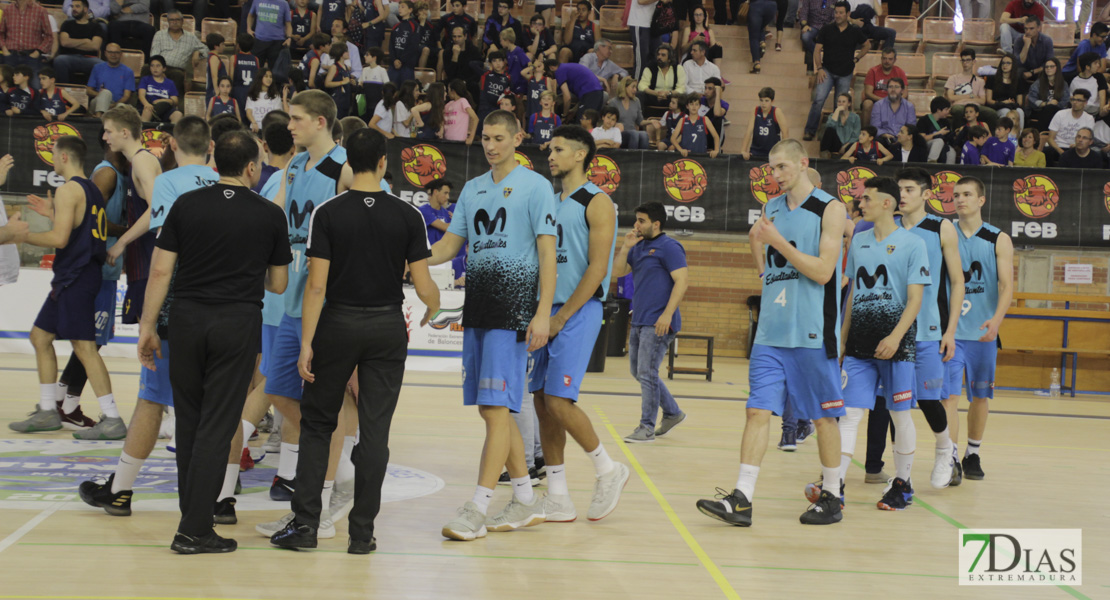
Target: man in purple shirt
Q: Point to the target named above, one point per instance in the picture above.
(577, 80)
(889, 114)
(271, 24)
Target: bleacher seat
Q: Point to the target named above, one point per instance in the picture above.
(225, 27)
(920, 100)
(916, 69)
(938, 35)
(570, 12)
(425, 76)
(623, 55)
(135, 59)
(199, 74)
(611, 24)
(980, 35)
(194, 104)
(1063, 38)
(905, 30)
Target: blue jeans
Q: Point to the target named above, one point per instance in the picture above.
(761, 13)
(64, 63)
(645, 353)
(843, 84)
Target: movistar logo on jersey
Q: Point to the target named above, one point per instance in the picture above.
(924, 271)
(482, 222)
(868, 280)
(297, 216)
(975, 272)
(157, 212)
(777, 259)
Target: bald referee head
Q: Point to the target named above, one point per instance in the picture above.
(237, 158)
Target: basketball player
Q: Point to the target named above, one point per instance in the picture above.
(78, 234)
(889, 269)
(587, 220)
(796, 345)
(988, 255)
(508, 218)
(940, 311)
(191, 143)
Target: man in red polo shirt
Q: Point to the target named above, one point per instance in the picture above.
(874, 85)
(26, 37)
(1011, 25)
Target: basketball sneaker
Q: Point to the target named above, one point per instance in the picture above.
(972, 470)
(224, 512)
(517, 514)
(880, 477)
(942, 469)
(541, 467)
(272, 527)
(504, 479)
(272, 444)
(825, 511)
(294, 536)
(607, 492)
(209, 544)
(805, 429)
(76, 420)
(668, 423)
(100, 495)
(788, 443)
(40, 420)
(732, 507)
(469, 524)
(109, 428)
(342, 499)
(957, 473)
(813, 492)
(266, 425)
(282, 489)
(246, 463)
(558, 508)
(166, 430)
(897, 496)
(640, 435)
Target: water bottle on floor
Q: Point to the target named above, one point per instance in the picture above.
(1054, 384)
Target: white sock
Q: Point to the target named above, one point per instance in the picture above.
(287, 460)
(248, 431)
(70, 404)
(845, 462)
(346, 470)
(108, 406)
(127, 469)
(944, 441)
(522, 489)
(482, 497)
(602, 463)
(48, 398)
(849, 433)
(972, 447)
(746, 482)
(231, 475)
(325, 494)
(557, 480)
(904, 443)
(831, 474)
(61, 392)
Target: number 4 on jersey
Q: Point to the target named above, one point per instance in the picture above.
(781, 298)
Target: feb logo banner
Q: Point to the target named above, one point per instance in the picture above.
(1021, 556)
(604, 173)
(943, 200)
(46, 135)
(763, 183)
(685, 179)
(423, 164)
(849, 183)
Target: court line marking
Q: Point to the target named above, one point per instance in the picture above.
(951, 521)
(29, 525)
(687, 537)
(113, 598)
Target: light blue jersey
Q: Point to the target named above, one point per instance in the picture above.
(113, 210)
(273, 306)
(169, 186)
(500, 222)
(796, 311)
(933, 317)
(572, 255)
(881, 273)
(305, 190)
(980, 266)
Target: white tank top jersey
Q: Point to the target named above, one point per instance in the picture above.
(9, 254)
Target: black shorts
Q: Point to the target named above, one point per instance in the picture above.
(133, 302)
(70, 312)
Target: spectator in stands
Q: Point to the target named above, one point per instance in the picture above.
(404, 45)
(26, 36)
(270, 22)
(867, 149)
(540, 41)
(579, 39)
(429, 50)
(842, 129)
(934, 127)
(337, 82)
(664, 24)
(966, 88)
(1096, 43)
(662, 80)
(158, 95)
(214, 69)
(1084, 14)
(313, 62)
(502, 19)
(589, 119)
(458, 17)
(813, 15)
(20, 98)
(6, 75)
(510, 103)
(1046, 94)
(536, 84)
(639, 25)
(975, 9)
(404, 118)
(976, 138)
(911, 145)
(607, 134)
(131, 21)
(698, 29)
(462, 60)
(874, 83)
(1033, 49)
(760, 15)
(1066, 124)
(698, 68)
(960, 137)
(607, 71)
(1081, 155)
(96, 9)
(1027, 154)
(180, 49)
(1091, 80)
(1011, 24)
(492, 85)
(839, 45)
(544, 9)
(630, 116)
(516, 60)
(223, 103)
(713, 106)
(693, 132)
(303, 22)
(459, 119)
(111, 82)
(544, 121)
(667, 124)
(726, 12)
(53, 103)
(264, 97)
(573, 79)
(999, 150)
(372, 70)
(78, 43)
(766, 128)
(1004, 89)
(432, 112)
(863, 16)
(329, 11)
(889, 114)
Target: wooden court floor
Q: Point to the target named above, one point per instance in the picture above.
(1047, 464)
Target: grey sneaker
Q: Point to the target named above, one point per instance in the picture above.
(642, 434)
(269, 529)
(668, 423)
(942, 469)
(272, 445)
(469, 524)
(266, 425)
(517, 514)
(342, 499)
(326, 530)
(40, 420)
(607, 492)
(109, 428)
(558, 508)
(880, 477)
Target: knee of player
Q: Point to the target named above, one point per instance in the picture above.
(758, 415)
(40, 338)
(493, 414)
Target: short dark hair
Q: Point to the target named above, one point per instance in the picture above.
(192, 134)
(871, 130)
(1099, 28)
(498, 55)
(214, 41)
(578, 135)
(275, 116)
(655, 213)
(975, 181)
(157, 58)
(890, 50)
(46, 72)
(767, 92)
(337, 50)
(1087, 59)
(1006, 122)
(700, 44)
(73, 146)
(223, 124)
(537, 17)
(939, 103)
(24, 70)
(715, 81)
(504, 118)
(234, 151)
(365, 149)
(917, 175)
(1032, 19)
(885, 185)
(975, 132)
(245, 41)
(437, 184)
(319, 40)
(901, 83)
(843, 4)
(592, 115)
(86, 2)
(972, 105)
(610, 110)
(278, 138)
(967, 52)
(337, 132)
(1083, 92)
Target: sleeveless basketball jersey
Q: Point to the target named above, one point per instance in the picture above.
(86, 241)
(306, 65)
(54, 103)
(766, 133)
(583, 39)
(210, 86)
(113, 209)
(871, 155)
(219, 106)
(304, 191)
(302, 24)
(244, 70)
(795, 311)
(933, 317)
(694, 134)
(535, 88)
(342, 94)
(980, 266)
(573, 244)
(331, 10)
(542, 127)
(137, 253)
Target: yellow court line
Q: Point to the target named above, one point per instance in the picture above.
(706, 562)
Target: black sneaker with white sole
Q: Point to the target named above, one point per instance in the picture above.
(224, 512)
(972, 469)
(825, 511)
(957, 474)
(732, 507)
(100, 495)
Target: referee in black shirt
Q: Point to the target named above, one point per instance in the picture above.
(358, 242)
(227, 243)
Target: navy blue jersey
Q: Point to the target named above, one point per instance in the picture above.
(404, 43)
(244, 68)
(331, 10)
(341, 94)
(867, 155)
(137, 253)
(219, 106)
(306, 67)
(980, 266)
(210, 85)
(541, 127)
(582, 40)
(536, 87)
(86, 241)
(694, 134)
(766, 132)
(490, 88)
(54, 104)
(22, 99)
(933, 317)
(302, 24)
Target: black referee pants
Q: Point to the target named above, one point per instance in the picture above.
(376, 341)
(212, 354)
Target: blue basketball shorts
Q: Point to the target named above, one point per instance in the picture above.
(69, 313)
(105, 310)
(269, 332)
(493, 367)
(805, 377)
(929, 372)
(282, 377)
(154, 386)
(978, 360)
(862, 377)
(559, 367)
